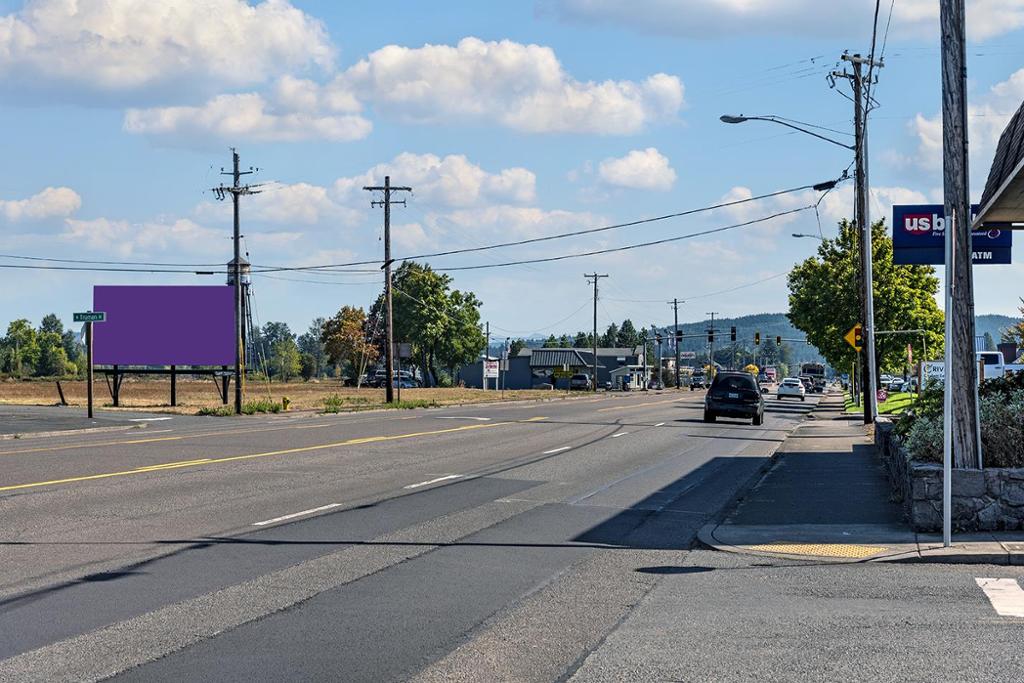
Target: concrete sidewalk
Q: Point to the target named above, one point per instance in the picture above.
(826, 498)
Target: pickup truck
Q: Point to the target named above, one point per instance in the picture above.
(994, 366)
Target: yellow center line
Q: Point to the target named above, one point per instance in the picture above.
(251, 456)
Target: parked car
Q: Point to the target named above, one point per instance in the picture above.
(791, 386)
(734, 394)
(807, 382)
(580, 380)
(896, 384)
(698, 382)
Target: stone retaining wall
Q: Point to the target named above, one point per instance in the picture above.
(983, 500)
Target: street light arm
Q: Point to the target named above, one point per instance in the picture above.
(773, 119)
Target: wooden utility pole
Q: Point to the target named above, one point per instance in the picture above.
(389, 360)
(862, 210)
(961, 424)
(595, 277)
(236, 190)
(675, 307)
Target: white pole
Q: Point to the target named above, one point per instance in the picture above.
(947, 394)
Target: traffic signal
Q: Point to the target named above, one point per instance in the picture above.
(679, 336)
(658, 337)
(778, 340)
(757, 339)
(732, 334)
(711, 337)
(858, 336)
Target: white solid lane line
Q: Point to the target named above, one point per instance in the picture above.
(433, 481)
(618, 434)
(1005, 595)
(660, 424)
(463, 417)
(556, 450)
(150, 419)
(282, 518)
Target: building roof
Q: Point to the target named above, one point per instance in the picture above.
(601, 351)
(1003, 199)
(556, 358)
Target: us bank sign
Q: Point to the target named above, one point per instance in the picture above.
(919, 234)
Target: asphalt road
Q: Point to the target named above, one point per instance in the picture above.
(517, 541)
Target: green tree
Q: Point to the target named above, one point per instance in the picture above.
(628, 337)
(52, 360)
(20, 348)
(515, 347)
(824, 302)
(286, 360)
(311, 344)
(1015, 333)
(346, 342)
(990, 343)
(583, 340)
(610, 336)
(551, 342)
(441, 324)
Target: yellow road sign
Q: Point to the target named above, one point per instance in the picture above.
(855, 337)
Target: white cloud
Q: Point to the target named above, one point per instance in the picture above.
(125, 238)
(987, 117)
(452, 180)
(285, 204)
(522, 87)
(246, 116)
(645, 169)
(834, 207)
(53, 201)
(503, 221)
(122, 45)
(712, 18)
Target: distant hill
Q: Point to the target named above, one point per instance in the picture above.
(993, 324)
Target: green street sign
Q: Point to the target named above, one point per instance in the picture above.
(91, 317)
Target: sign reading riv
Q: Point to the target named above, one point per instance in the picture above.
(919, 234)
(164, 325)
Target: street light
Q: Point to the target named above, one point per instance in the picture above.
(729, 118)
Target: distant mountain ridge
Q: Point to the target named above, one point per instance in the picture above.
(772, 325)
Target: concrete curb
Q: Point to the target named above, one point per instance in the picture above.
(70, 432)
(706, 533)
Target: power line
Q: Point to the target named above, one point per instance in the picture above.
(86, 269)
(547, 238)
(628, 247)
(109, 263)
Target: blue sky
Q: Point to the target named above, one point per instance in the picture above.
(509, 119)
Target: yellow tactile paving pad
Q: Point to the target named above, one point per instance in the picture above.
(820, 549)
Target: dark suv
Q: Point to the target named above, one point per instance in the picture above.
(734, 394)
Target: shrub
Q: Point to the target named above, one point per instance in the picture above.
(219, 411)
(261, 405)
(1002, 427)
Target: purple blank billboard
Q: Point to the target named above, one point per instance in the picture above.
(164, 325)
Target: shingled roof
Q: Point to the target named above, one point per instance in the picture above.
(1003, 199)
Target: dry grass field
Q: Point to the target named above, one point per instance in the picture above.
(193, 395)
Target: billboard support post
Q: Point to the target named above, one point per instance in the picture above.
(174, 386)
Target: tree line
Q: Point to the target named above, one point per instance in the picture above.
(45, 351)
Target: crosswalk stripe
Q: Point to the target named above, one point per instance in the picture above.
(1006, 596)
